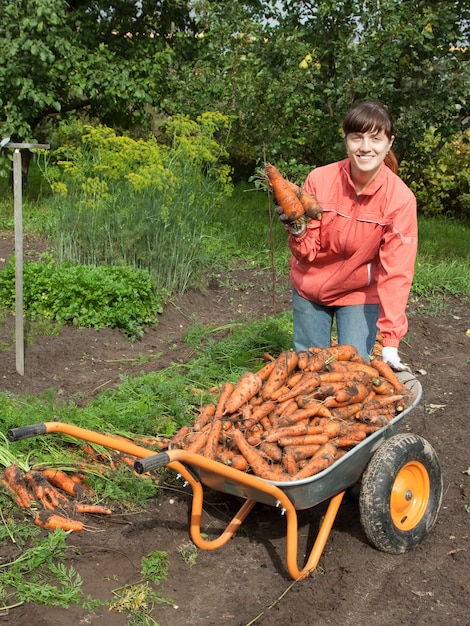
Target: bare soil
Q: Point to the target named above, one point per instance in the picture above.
(246, 581)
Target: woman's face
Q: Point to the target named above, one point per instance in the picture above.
(367, 151)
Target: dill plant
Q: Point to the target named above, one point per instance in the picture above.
(140, 202)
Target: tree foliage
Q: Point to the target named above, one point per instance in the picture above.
(286, 72)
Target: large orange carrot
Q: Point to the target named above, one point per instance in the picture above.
(266, 370)
(247, 386)
(310, 204)
(81, 508)
(342, 352)
(301, 452)
(286, 363)
(259, 412)
(271, 450)
(289, 464)
(60, 479)
(322, 459)
(308, 381)
(304, 440)
(284, 194)
(210, 449)
(231, 458)
(382, 386)
(347, 411)
(43, 491)
(15, 480)
(295, 430)
(258, 465)
(51, 521)
(224, 395)
(386, 371)
(205, 414)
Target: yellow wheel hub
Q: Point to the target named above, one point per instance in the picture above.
(410, 495)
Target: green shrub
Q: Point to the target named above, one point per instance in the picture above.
(86, 296)
(443, 187)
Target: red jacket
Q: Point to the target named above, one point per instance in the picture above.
(363, 250)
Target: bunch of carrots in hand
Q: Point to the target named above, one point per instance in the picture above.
(298, 414)
(292, 199)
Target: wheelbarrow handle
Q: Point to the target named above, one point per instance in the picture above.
(152, 462)
(24, 432)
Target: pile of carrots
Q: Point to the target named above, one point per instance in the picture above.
(52, 496)
(298, 414)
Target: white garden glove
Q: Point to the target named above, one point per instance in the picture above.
(390, 356)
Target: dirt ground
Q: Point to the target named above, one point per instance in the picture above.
(246, 581)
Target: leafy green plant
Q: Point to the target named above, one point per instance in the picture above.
(114, 296)
(39, 575)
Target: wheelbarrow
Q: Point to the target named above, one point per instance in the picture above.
(398, 476)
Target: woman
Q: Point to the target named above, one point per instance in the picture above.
(356, 264)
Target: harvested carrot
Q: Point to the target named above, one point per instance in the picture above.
(210, 449)
(247, 386)
(258, 465)
(205, 414)
(301, 452)
(266, 370)
(285, 365)
(310, 204)
(342, 352)
(284, 194)
(224, 395)
(322, 459)
(44, 492)
(309, 381)
(177, 440)
(295, 430)
(382, 386)
(304, 440)
(51, 521)
(199, 441)
(231, 458)
(82, 508)
(259, 412)
(349, 441)
(271, 450)
(352, 394)
(15, 480)
(61, 479)
(289, 464)
(347, 411)
(386, 371)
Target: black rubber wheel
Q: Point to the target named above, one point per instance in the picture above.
(401, 493)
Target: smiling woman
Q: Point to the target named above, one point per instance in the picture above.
(356, 265)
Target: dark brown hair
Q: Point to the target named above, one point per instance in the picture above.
(372, 115)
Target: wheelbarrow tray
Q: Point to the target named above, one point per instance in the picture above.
(342, 474)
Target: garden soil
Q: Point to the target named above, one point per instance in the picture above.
(246, 581)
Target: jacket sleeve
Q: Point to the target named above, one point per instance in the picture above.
(397, 257)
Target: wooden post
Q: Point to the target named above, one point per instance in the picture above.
(18, 218)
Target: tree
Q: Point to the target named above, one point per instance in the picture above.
(58, 56)
(288, 78)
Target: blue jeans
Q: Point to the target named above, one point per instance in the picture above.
(356, 325)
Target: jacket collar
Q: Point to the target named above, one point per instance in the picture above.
(374, 186)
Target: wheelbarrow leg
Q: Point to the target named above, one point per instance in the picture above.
(320, 541)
